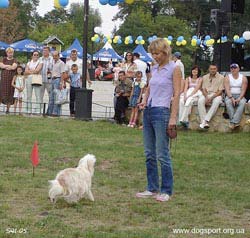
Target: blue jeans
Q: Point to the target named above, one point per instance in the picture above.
(53, 108)
(235, 112)
(156, 146)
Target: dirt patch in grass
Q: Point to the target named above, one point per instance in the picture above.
(105, 165)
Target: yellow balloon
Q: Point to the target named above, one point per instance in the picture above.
(57, 4)
(169, 42)
(218, 41)
(178, 43)
(236, 37)
(137, 42)
(193, 43)
(212, 41)
(129, 1)
(142, 42)
(184, 42)
(93, 38)
(109, 41)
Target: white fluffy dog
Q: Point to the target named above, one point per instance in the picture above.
(72, 184)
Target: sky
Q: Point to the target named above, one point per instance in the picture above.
(107, 12)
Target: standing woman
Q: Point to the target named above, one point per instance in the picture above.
(164, 84)
(129, 67)
(8, 66)
(33, 67)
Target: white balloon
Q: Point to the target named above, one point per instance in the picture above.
(246, 35)
(98, 30)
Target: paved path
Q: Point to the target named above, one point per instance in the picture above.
(102, 100)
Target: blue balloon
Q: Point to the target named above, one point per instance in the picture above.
(103, 2)
(170, 38)
(120, 1)
(112, 2)
(139, 38)
(63, 3)
(150, 39)
(97, 40)
(119, 41)
(224, 38)
(154, 37)
(198, 42)
(207, 37)
(130, 41)
(4, 3)
(242, 40)
(195, 37)
(180, 38)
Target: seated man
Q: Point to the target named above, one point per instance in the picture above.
(122, 93)
(212, 87)
(235, 86)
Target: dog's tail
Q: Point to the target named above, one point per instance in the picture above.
(55, 190)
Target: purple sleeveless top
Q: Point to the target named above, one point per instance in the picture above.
(161, 85)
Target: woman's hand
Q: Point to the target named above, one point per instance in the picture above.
(142, 105)
(172, 122)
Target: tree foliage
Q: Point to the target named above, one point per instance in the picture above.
(17, 20)
(66, 25)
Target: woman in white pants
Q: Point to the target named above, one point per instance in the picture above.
(33, 67)
(190, 95)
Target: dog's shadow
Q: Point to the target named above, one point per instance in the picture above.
(61, 204)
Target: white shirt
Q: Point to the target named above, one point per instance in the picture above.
(141, 66)
(235, 84)
(179, 63)
(70, 62)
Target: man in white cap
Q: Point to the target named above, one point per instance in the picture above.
(235, 86)
(177, 59)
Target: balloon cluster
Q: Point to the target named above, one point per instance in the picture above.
(110, 2)
(96, 38)
(208, 41)
(181, 41)
(4, 3)
(117, 40)
(107, 38)
(223, 39)
(239, 40)
(195, 41)
(152, 38)
(60, 3)
(128, 40)
(169, 39)
(139, 40)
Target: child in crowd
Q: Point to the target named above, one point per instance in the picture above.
(75, 81)
(135, 98)
(18, 83)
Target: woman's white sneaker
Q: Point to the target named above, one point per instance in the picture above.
(146, 194)
(163, 197)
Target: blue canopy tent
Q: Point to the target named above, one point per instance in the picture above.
(106, 53)
(3, 45)
(75, 46)
(143, 53)
(26, 45)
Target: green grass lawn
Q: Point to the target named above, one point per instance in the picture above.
(211, 188)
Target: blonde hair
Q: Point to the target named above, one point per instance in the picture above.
(162, 45)
(9, 49)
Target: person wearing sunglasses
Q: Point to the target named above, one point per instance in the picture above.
(235, 85)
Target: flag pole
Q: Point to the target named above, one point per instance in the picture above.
(33, 171)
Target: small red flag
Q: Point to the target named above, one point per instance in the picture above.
(34, 155)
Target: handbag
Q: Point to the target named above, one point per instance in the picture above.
(37, 80)
(172, 132)
(61, 96)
